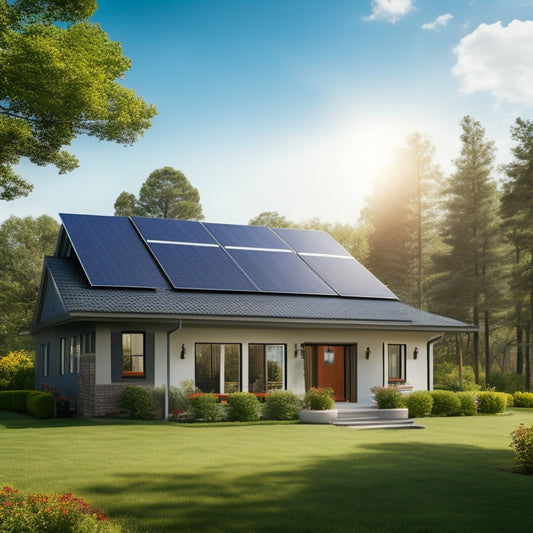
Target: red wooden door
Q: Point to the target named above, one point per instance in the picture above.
(330, 369)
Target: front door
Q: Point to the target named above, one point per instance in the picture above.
(330, 370)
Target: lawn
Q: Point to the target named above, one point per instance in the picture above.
(288, 477)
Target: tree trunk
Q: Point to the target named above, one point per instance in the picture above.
(459, 351)
(476, 345)
(487, 348)
(519, 344)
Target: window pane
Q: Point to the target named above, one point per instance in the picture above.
(256, 368)
(133, 355)
(275, 355)
(232, 368)
(207, 368)
(396, 365)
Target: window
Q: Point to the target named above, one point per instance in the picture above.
(396, 355)
(90, 342)
(133, 350)
(62, 355)
(73, 354)
(218, 368)
(266, 367)
(44, 353)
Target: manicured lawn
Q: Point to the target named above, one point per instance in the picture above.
(266, 478)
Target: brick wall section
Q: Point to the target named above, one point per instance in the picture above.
(98, 400)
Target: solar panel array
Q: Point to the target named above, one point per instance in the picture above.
(146, 252)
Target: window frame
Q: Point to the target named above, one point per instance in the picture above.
(401, 378)
(133, 373)
(44, 356)
(265, 384)
(62, 355)
(219, 378)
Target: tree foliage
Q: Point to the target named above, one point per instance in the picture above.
(16, 372)
(59, 75)
(23, 244)
(166, 193)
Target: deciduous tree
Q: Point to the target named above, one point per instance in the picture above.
(58, 77)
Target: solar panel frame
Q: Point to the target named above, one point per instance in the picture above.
(187, 231)
(123, 259)
(232, 235)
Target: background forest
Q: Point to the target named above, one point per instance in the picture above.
(458, 245)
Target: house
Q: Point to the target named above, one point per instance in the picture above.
(152, 302)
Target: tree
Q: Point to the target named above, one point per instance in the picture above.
(468, 273)
(517, 211)
(402, 216)
(166, 193)
(58, 75)
(272, 219)
(16, 372)
(23, 244)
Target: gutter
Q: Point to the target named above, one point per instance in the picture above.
(167, 388)
(429, 349)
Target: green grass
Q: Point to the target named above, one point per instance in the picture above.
(287, 477)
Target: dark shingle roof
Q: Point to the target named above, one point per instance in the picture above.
(80, 298)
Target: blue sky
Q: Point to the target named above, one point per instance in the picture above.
(295, 105)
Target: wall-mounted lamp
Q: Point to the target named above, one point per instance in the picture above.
(183, 351)
(299, 350)
(415, 353)
(367, 353)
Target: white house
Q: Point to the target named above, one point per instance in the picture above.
(152, 302)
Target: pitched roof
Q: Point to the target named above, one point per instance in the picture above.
(80, 301)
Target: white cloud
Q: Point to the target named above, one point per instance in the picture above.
(390, 10)
(439, 22)
(498, 60)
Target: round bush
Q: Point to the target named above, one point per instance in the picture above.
(243, 407)
(419, 403)
(445, 403)
(388, 397)
(282, 405)
(468, 403)
(522, 444)
(523, 399)
(319, 399)
(490, 402)
(206, 408)
(138, 402)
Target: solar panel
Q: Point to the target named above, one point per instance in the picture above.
(200, 267)
(111, 253)
(170, 230)
(231, 235)
(279, 272)
(334, 264)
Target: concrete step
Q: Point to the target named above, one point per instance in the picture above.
(371, 417)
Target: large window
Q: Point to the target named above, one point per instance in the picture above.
(396, 355)
(218, 368)
(266, 367)
(133, 351)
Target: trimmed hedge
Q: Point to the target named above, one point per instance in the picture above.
(468, 402)
(206, 408)
(138, 401)
(419, 403)
(41, 404)
(282, 405)
(490, 402)
(14, 400)
(445, 403)
(243, 407)
(523, 399)
(388, 397)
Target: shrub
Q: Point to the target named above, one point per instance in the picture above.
(507, 382)
(28, 513)
(14, 400)
(523, 399)
(445, 403)
(522, 444)
(282, 405)
(16, 372)
(205, 407)
(419, 403)
(468, 402)
(490, 402)
(319, 399)
(40, 404)
(243, 407)
(388, 397)
(446, 377)
(138, 402)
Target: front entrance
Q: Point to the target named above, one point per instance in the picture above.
(333, 366)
